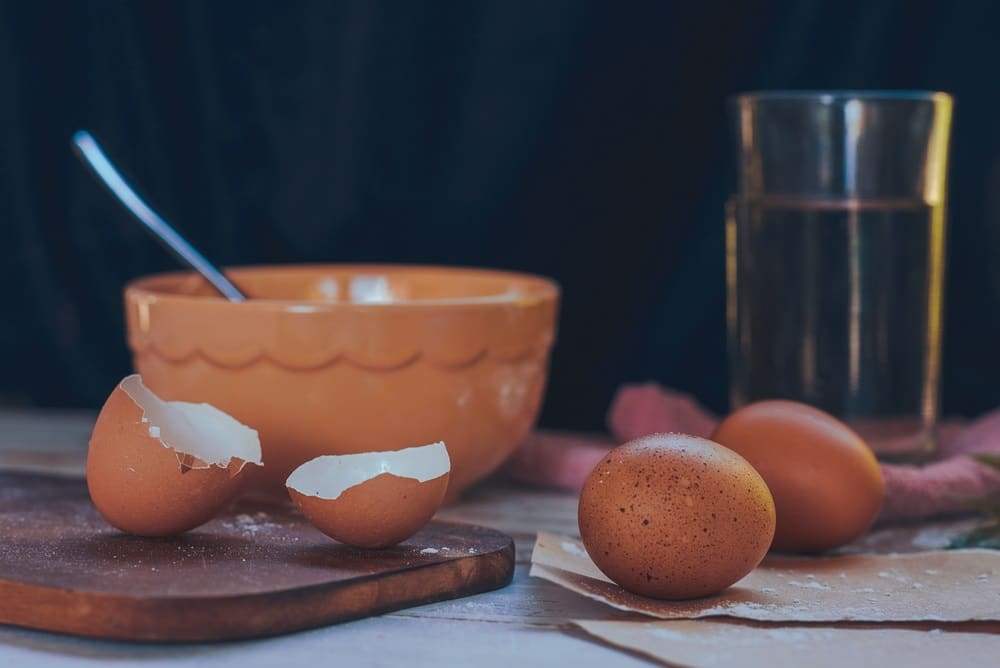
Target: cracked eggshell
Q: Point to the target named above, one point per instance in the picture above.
(159, 468)
(372, 499)
(672, 516)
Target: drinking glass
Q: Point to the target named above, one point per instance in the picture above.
(835, 255)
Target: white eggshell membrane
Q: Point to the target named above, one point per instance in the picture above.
(200, 430)
(327, 477)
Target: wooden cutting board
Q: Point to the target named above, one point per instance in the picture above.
(256, 571)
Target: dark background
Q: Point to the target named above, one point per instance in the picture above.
(584, 140)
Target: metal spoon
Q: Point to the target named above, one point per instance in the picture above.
(89, 151)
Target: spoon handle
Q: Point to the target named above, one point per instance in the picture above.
(90, 152)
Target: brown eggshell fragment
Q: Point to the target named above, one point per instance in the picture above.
(147, 486)
(826, 482)
(672, 516)
(372, 499)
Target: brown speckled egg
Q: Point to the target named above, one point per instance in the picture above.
(826, 482)
(672, 516)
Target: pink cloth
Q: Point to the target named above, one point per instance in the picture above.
(940, 488)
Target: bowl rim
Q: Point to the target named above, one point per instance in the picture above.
(538, 288)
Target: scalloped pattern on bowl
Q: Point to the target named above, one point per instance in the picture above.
(317, 375)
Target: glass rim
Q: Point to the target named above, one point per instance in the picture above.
(832, 96)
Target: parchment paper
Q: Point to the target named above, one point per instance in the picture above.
(718, 644)
(939, 586)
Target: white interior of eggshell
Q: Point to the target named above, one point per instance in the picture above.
(327, 477)
(200, 430)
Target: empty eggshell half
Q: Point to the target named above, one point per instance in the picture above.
(158, 468)
(372, 499)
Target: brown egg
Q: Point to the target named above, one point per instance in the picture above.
(372, 499)
(826, 482)
(157, 468)
(673, 516)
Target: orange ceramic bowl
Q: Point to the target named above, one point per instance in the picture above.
(336, 359)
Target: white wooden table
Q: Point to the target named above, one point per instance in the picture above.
(521, 625)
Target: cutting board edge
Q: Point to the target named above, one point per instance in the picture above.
(131, 622)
